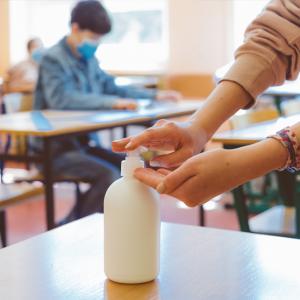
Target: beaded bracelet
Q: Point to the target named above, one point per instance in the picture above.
(289, 140)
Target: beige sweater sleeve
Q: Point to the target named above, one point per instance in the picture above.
(271, 50)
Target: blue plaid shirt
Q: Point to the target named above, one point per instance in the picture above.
(68, 82)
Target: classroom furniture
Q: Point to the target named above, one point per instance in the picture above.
(287, 183)
(259, 198)
(289, 90)
(196, 263)
(190, 85)
(50, 124)
(12, 194)
(23, 102)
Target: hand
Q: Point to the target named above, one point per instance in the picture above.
(211, 173)
(125, 104)
(168, 96)
(197, 180)
(180, 138)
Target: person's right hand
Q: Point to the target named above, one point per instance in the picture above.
(125, 104)
(180, 139)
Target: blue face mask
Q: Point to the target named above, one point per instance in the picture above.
(87, 49)
(37, 55)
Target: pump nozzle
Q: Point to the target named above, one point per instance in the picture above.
(131, 162)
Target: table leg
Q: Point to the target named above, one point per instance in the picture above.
(287, 187)
(277, 100)
(125, 131)
(289, 195)
(201, 215)
(48, 182)
(3, 228)
(241, 208)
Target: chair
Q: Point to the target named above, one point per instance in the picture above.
(12, 194)
(190, 85)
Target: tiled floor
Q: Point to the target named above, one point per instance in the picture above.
(28, 219)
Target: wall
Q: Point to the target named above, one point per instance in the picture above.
(200, 35)
(4, 37)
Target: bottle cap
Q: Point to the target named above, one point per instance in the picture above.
(131, 162)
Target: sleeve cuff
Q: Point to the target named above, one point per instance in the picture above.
(252, 73)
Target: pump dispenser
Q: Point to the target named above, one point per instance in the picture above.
(131, 227)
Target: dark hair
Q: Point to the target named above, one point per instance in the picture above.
(91, 15)
(31, 42)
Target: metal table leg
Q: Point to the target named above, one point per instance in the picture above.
(201, 215)
(125, 131)
(241, 208)
(48, 182)
(3, 228)
(278, 100)
(289, 195)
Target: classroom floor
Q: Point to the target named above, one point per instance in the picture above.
(28, 219)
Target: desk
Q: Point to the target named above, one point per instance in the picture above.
(196, 263)
(286, 181)
(50, 124)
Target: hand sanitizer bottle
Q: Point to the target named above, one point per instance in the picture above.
(131, 227)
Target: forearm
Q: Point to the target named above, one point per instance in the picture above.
(261, 158)
(21, 87)
(227, 98)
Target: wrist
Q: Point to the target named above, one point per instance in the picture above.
(275, 153)
(225, 100)
(260, 158)
(287, 137)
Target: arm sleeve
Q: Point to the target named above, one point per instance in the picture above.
(270, 53)
(60, 92)
(110, 87)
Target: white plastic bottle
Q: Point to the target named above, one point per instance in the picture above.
(131, 227)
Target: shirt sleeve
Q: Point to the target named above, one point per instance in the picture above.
(110, 87)
(270, 53)
(59, 91)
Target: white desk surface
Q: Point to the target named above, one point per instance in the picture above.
(254, 133)
(53, 122)
(196, 263)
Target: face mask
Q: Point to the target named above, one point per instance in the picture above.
(87, 49)
(37, 55)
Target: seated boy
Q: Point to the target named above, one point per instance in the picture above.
(70, 78)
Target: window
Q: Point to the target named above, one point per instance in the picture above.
(138, 41)
(139, 37)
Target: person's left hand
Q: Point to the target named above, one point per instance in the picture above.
(166, 95)
(211, 173)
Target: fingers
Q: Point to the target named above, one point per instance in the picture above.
(153, 135)
(149, 176)
(119, 145)
(164, 171)
(175, 179)
(125, 104)
(173, 159)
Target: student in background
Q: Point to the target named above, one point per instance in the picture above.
(22, 77)
(269, 55)
(70, 79)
